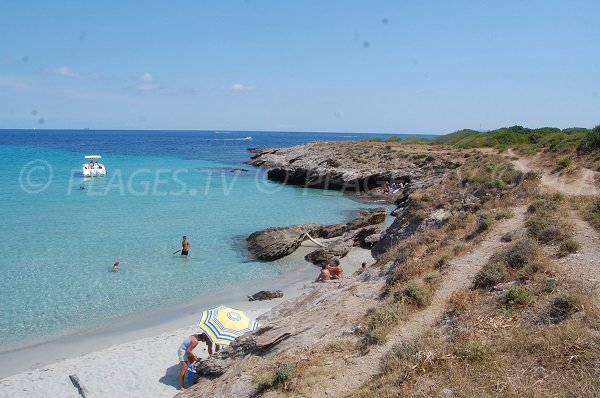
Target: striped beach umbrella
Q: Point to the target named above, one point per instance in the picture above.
(223, 324)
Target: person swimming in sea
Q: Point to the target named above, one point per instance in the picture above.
(116, 267)
(185, 246)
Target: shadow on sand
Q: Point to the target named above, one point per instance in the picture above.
(171, 377)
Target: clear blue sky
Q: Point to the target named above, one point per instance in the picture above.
(355, 66)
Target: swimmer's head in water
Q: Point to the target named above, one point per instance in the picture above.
(184, 237)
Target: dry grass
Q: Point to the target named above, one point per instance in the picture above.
(493, 352)
(547, 219)
(520, 260)
(590, 210)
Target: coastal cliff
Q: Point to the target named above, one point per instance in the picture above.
(457, 280)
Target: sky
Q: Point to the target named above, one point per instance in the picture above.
(425, 66)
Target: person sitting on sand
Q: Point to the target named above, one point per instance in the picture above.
(187, 356)
(116, 267)
(335, 270)
(325, 275)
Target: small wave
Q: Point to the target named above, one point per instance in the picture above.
(348, 136)
(223, 132)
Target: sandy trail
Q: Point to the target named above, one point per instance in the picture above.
(584, 265)
(582, 181)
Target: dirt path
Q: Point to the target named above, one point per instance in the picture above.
(584, 266)
(459, 276)
(582, 182)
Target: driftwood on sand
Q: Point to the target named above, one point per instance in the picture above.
(80, 388)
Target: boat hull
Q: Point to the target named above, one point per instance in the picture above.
(99, 171)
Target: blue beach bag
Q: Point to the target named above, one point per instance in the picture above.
(191, 372)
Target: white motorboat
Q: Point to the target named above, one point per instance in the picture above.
(92, 168)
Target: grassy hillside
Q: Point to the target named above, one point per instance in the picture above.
(551, 138)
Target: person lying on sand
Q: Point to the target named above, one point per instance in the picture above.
(186, 353)
(325, 275)
(335, 270)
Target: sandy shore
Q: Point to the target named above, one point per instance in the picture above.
(139, 362)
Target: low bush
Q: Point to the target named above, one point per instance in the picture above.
(591, 141)
(545, 222)
(592, 214)
(283, 373)
(462, 299)
(565, 162)
(519, 254)
(491, 274)
(517, 295)
(474, 351)
(568, 246)
(380, 321)
(415, 293)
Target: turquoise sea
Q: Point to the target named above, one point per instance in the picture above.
(58, 242)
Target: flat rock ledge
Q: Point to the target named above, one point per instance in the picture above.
(352, 166)
(277, 242)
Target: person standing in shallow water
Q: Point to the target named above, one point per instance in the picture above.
(185, 246)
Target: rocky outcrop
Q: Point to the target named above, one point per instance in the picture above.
(405, 225)
(340, 247)
(266, 295)
(354, 166)
(277, 242)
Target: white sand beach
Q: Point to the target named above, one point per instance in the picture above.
(139, 363)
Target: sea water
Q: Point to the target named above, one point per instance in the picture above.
(58, 242)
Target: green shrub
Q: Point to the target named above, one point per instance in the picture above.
(519, 254)
(567, 247)
(491, 274)
(380, 321)
(549, 284)
(283, 373)
(591, 142)
(565, 162)
(474, 351)
(415, 293)
(518, 296)
(592, 214)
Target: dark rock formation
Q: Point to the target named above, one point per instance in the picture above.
(276, 242)
(258, 343)
(339, 248)
(266, 295)
(367, 217)
(273, 243)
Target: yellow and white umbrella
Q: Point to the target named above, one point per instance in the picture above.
(223, 324)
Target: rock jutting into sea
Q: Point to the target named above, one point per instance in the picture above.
(351, 166)
(277, 242)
